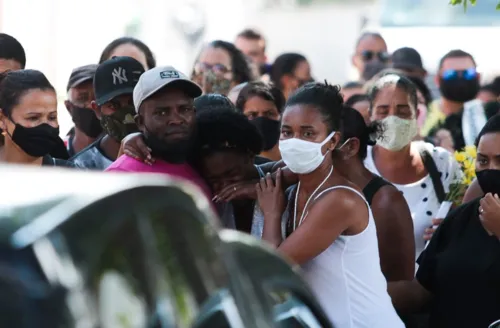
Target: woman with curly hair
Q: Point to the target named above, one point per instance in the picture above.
(224, 153)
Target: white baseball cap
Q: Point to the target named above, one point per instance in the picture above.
(156, 78)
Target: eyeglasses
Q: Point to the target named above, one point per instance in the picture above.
(453, 74)
(217, 68)
(369, 55)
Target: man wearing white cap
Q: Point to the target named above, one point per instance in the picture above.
(163, 100)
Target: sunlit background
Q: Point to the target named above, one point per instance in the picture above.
(59, 35)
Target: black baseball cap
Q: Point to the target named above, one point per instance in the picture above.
(115, 77)
(407, 58)
(80, 75)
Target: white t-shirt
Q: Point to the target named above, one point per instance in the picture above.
(347, 280)
(420, 195)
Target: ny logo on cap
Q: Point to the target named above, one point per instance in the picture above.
(119, 76)
(169, 75)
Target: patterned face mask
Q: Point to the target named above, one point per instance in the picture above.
(119, 124)
(213, 83)
(398, 133)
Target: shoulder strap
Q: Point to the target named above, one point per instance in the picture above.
(373, 186)
(342, 187)
(430, 166)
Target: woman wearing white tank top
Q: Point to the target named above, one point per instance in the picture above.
(331, 232)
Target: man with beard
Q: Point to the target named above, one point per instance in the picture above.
(80, 96)
(114, 82)
(457, 111)
(163, 100)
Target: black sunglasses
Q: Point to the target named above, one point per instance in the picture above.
(369, 55)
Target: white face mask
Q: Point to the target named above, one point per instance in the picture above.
(302, 156)
(398, 133)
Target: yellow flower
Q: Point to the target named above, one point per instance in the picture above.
(467, 181)
(471, 171)
(471, 151)
(460, 157)
(466, 164)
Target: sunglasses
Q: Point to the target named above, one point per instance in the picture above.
(453, 74)
(369, 55)
(217, 68)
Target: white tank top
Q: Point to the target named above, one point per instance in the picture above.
(348, 282)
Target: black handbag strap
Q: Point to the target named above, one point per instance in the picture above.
(430, 166)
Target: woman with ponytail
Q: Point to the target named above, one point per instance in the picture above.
(390, 210)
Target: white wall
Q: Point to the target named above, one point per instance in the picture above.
(59, 35)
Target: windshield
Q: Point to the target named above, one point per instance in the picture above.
(437, 13)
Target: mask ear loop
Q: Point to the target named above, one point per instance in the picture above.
(344, 144)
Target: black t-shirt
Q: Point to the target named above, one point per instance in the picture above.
(51, 161)
(92, 157)
(261, 160)
(453, 123)
(461, 268)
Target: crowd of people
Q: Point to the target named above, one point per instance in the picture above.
(346, 182)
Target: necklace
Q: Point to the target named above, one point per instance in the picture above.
(304, 213)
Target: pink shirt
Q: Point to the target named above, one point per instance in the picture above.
(128, 164)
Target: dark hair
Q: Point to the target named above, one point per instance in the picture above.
(251, 34)
(352, 85)
(492, 126)
(14, 84)
(213, 101)
(493, 88)
(369, 35)
(266, 91)
(285, 64)
(457, 53)
(352, 100)
(400, 82)
(325, 97)
(12, 49)
(422, 87)
(355, 127)
(241, 69)
(225, 130)
(150, 58)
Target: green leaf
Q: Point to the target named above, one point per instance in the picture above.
(498, 6)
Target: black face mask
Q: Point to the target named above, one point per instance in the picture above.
(37, 141)
(269, 129)
(86, 120)
(489, 181)
(120, 124)
(170, 152)
(459, 89)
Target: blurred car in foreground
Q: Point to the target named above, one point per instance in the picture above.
(80, 249)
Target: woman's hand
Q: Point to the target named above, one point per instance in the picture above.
(134, 146)
(444, 139)
(429, 232)
(489, 213)
(271, 197)
(239, 190)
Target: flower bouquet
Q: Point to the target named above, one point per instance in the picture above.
(461, 180)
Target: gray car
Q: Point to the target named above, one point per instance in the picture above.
(81, 249)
